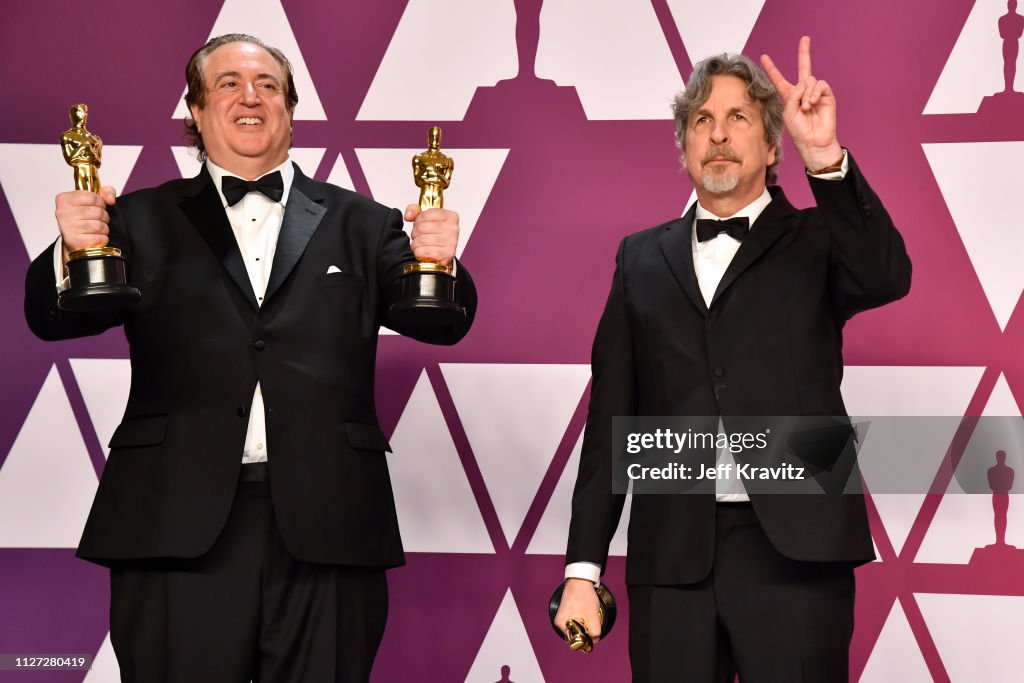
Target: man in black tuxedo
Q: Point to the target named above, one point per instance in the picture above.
(245, 510)
(709, 317)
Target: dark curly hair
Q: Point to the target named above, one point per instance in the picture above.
(195, 96)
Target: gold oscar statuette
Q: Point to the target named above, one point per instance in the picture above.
(428, 288)
(97, 274)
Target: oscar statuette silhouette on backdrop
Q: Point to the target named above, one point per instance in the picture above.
(1011, 29)
(999, 554)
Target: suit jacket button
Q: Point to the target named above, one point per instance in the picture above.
(242, 411)
(259, 344)
(718, 372)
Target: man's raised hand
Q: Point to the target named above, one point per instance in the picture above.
(83, 219)
(809, 110)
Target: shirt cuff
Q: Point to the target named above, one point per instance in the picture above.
(58, 265)
(584, 570)
(835, 175)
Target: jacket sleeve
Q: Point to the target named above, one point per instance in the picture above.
(868, 261)
(45, 319)
(595, 509)
(394, 254)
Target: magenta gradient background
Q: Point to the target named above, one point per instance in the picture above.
(541, 255)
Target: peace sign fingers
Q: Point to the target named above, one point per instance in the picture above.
(803, 61)
(775, 76)
(808, 109)
(803, 58)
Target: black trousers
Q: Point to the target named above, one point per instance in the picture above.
(760, 615)
(246, 610)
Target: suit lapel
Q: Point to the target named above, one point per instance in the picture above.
(677, 247)
(769, 227)
(202, 204)
(302, 216)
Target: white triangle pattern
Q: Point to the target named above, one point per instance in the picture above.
(437, 512)
(553, 528)
(535, 404)
(974, 69)
(917, 392)
(896, 655)
(506, 645)
(710, 28)
(388, 172)
(340, 176)
(964, 522)
(477, 46)
(104, 665)
(104, 383)
(977, 636)
(32, 175)
(980, 182)
(47, 482)
(267, 20)
(615, 54)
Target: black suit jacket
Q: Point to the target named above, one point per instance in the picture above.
(199, 344)
(769, 344)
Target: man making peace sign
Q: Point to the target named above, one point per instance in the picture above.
(736, 309)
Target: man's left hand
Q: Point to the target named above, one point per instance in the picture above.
(435, 233)
(809, 110)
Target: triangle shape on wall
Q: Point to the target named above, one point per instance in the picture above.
(437, 512)
(267, 20)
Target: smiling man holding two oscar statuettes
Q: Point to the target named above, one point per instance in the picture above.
(245, 511)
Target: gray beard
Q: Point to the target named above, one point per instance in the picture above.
(716, 183)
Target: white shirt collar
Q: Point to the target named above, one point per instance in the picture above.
(287, 175)
(751, 211)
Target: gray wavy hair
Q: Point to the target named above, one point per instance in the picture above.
(759, 89)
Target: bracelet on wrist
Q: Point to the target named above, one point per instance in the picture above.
(834, 168)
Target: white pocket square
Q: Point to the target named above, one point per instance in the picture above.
(333, 269)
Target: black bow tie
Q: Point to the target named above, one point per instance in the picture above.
(234, 188)
(736, 228)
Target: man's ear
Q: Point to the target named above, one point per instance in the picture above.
(192, 110)
(772, 154)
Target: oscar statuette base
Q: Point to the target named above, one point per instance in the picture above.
(428, 298)
(576, 634)
(98, 282)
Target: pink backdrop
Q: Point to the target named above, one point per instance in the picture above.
(548, 179)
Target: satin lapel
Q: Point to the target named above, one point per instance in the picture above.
(676, 245)
(769, 227)
(204, 209)
(302, 216)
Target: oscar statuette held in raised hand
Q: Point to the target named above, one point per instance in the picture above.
(97, 275)
(428, 288)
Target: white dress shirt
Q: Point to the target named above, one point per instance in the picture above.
(256, 223)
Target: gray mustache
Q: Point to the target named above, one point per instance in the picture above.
(719, 153)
